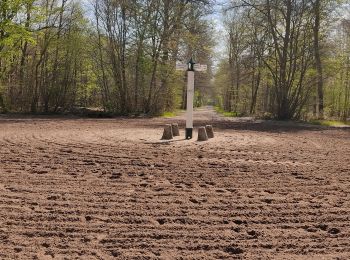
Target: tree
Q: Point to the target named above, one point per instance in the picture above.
(318, 63)
(139, 43)
(281, 40)
(11, 33)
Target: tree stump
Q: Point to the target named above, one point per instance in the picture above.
(175, 128)
(202, 134)
(210, 131)
(167, 133)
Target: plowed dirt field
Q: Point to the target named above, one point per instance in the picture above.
(75, 188)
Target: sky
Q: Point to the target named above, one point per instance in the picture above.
(218, 23)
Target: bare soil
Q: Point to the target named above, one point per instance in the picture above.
(75, 188)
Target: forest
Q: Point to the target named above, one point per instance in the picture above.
(286, 59)
(283, 59)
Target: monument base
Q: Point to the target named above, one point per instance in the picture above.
(189, 132)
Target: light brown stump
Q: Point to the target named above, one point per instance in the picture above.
(167, 133)
(210, 131)
(175, 128)
(202, 134)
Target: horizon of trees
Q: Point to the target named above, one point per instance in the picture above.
(285, 59)
(119, 55)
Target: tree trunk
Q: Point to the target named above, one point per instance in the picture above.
(318, 62)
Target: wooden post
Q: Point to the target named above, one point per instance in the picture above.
(191, 67)
(189, 108)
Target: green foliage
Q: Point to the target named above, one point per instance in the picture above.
(11, 31)
(330, 123)
(225, 113)
(169, 114)
(54, 56)
(174, 113)
(270, 67)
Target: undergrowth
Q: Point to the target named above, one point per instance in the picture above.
(329, 122)
(225, 113)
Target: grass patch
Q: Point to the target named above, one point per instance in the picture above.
(172, 113)
(329, 122)
(168, 114)
(225, 113)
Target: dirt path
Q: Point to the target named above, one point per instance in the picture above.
(109, 188)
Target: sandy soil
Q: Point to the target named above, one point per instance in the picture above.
(109, 188)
